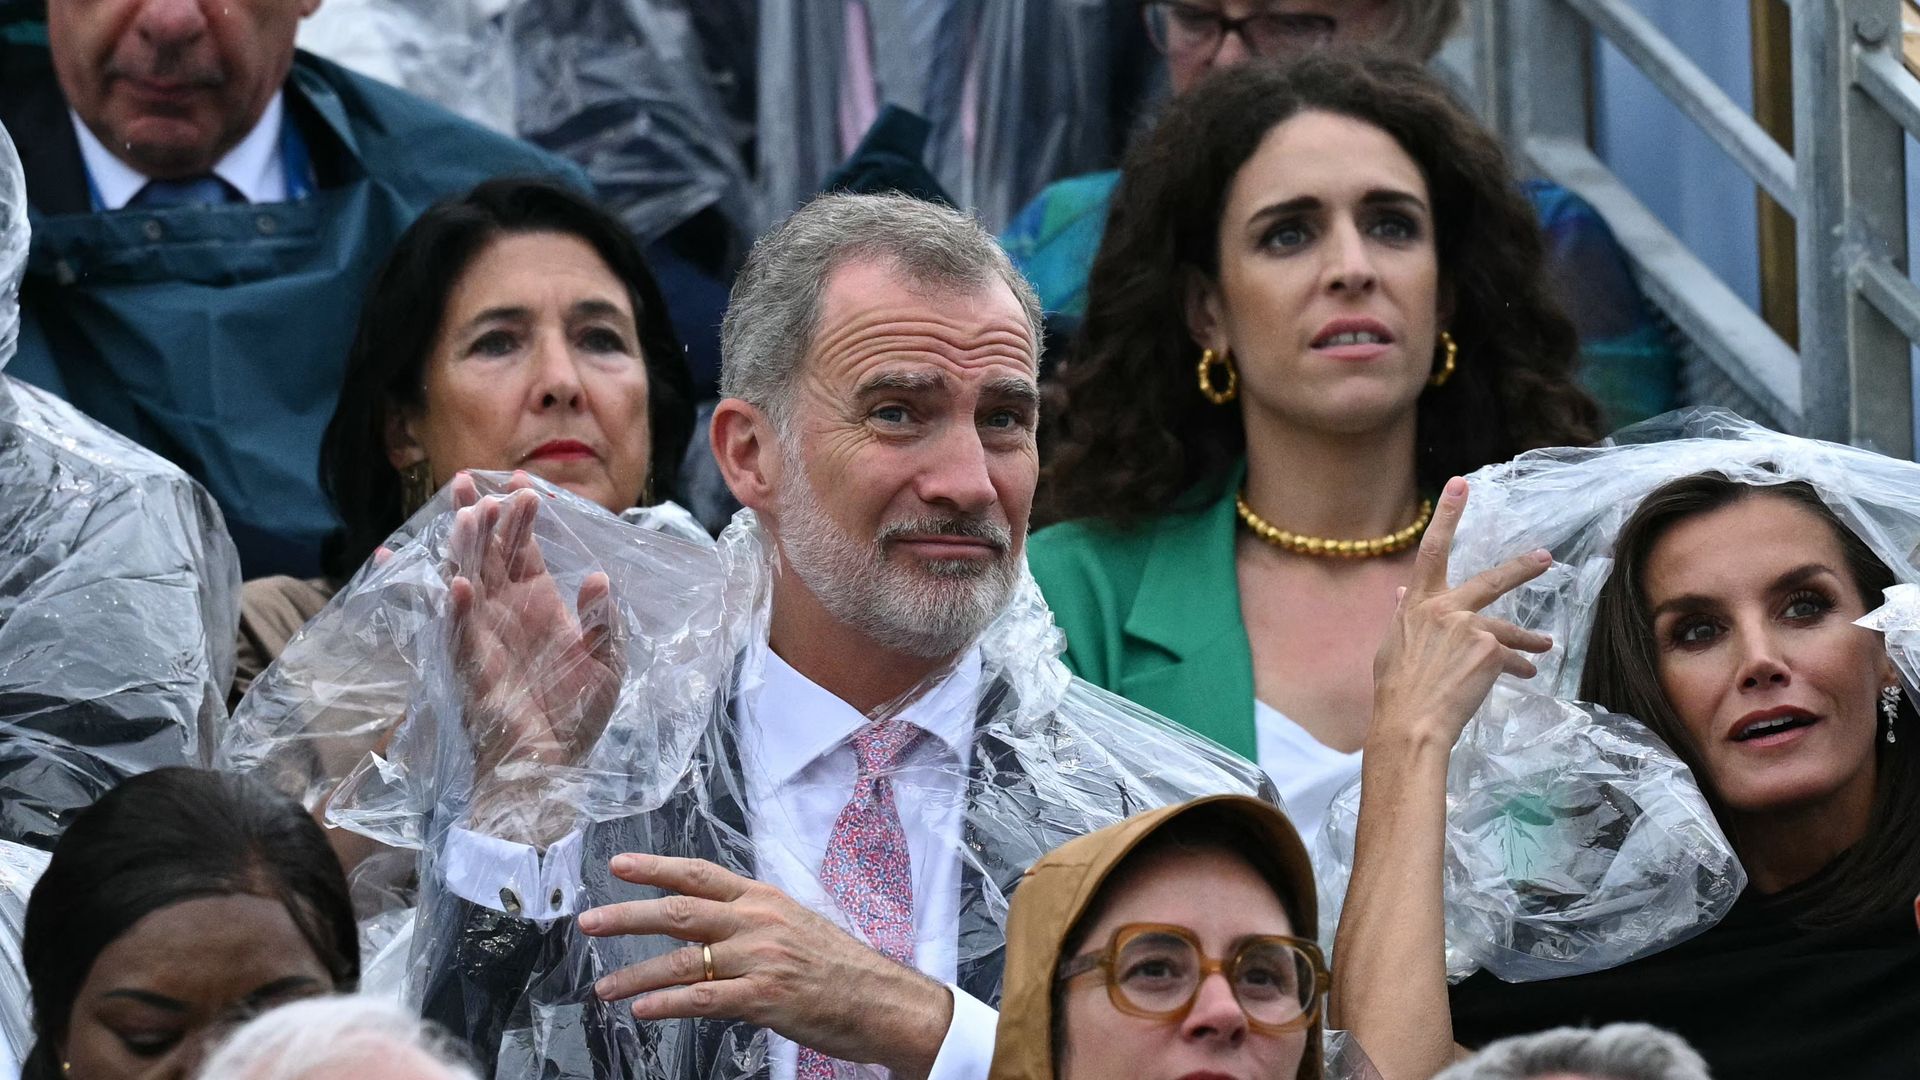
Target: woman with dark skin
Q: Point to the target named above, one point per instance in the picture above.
(1319, 296)
(178, 905)
(1753, 670)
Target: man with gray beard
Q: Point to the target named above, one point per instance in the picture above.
(824, 892)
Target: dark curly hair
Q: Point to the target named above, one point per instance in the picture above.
(1129, 434)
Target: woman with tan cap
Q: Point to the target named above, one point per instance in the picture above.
(1114, 941)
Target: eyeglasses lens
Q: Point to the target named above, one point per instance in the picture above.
(1182, 30)
(1159, 973)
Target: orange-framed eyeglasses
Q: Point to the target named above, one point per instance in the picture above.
(1154, 971)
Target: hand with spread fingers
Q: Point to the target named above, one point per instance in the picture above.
(1441, 655)
(759, 956)
(540, 675)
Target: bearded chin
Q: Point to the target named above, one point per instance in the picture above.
(931, 609)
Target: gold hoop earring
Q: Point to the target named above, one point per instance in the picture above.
(416, 486)
(1219, 397)
(1453, 360)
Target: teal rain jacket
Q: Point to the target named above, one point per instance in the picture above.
(218, 336)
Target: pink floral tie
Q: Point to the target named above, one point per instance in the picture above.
(867, 869)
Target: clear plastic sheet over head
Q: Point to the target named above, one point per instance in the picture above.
(20, 868)
(616, 689)
(119, 593)
(1576, 839)
(635, 92)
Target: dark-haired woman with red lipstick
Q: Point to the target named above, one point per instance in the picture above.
(1320, 294)
(515, 327)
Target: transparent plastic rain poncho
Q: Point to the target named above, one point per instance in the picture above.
(119, 592)
(636, 92)
(679, 633)
(1576, 840)
(342, 684)
(20, 868)
(1017, 91)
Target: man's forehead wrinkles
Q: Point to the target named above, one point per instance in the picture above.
(892, 331)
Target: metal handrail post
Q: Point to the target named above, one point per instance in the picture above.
(1549, 75)
(1856, 372)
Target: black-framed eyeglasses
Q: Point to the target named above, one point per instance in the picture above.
(1154, 971)
(1185, 31)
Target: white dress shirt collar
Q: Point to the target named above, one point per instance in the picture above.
(813, 721)
(254, 166)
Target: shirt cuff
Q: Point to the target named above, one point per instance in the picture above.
(967, 1051)
(514, 878)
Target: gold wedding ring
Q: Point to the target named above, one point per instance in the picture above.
(706, 957)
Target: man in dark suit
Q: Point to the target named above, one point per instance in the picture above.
(881, 762)
(208, 206)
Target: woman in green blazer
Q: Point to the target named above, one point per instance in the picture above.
(1319, 296)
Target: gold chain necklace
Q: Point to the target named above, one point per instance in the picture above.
(1339, 549)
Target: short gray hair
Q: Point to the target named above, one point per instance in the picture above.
(301, 1039)
(775, 307)
(1614, 1052)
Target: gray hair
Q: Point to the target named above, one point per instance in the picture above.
(774, 311)
(307, 1037)
(1614, 1052)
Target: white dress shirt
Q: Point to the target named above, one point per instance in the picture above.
(254, 166)
(800, 771)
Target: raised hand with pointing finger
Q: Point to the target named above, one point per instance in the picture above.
(1441, 655)
(1435, 668)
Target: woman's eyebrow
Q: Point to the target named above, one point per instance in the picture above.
(1683, 602)
(280, 986)
(504, 313)
(1299, 205)
(148, 997)
(599, 309)
(1800, 575)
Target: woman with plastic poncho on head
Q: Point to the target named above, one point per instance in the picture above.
(1626, 356)
(1114, 941)
(1320, 296)
(1714, 594)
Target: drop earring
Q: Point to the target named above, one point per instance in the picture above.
(1890, 708)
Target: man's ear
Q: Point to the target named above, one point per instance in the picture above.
(403, 446)
(747, 448)
(308, 7)
(1204, 313)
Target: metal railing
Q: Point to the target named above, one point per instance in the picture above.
(1844, 184)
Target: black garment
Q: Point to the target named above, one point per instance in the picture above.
(1758, 997)
(489, 975)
